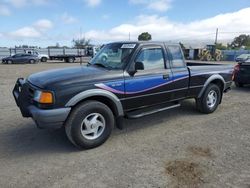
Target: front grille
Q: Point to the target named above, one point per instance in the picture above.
(31, 92)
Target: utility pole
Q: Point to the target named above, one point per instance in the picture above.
(216, 37)
(80, 33)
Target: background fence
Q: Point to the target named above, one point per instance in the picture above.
(230, 55)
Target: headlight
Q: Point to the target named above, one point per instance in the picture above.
(43, 97)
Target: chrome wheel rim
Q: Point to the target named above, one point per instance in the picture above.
(212, 99)
(93, 126)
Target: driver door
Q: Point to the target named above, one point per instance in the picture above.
(151, 85)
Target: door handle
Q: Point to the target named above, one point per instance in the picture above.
(165, 76)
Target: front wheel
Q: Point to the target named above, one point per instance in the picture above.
(89, 125)
(44, 59)
(209, 100)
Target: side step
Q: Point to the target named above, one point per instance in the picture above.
(150, 110)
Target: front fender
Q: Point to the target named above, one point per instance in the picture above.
(95, 93)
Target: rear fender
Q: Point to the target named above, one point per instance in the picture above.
(210, 80)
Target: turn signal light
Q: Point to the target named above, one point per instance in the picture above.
(46, 98)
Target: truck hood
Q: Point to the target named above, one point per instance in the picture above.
(65, 76)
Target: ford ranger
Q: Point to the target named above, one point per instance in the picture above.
(124, 80)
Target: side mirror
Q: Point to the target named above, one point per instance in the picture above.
(139, 66)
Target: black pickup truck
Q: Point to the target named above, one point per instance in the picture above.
(125, 79)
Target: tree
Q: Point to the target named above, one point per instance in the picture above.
(220, 46)
(55, 46)
(81, 43)
(241, 41)
(144, 37)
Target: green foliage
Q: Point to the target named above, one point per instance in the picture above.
(241, 41)
(220, 46)
(55, 46)
(81, 43)
(145, 36)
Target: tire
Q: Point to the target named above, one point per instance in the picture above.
(44, 59)
(9, 62)
(104, 59)
(209, 100)
(237, 84)
(32, 61)
(208, 57)
(218, 58)
(95, 115)
(71, 60)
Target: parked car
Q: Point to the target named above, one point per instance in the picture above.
(42, 57)
(21, 58)
(242, 58)
(142, 79)
(242, 74)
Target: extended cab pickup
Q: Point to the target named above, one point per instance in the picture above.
(124, 79)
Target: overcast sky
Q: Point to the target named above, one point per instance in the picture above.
(46, 22)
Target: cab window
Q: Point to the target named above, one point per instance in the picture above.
(177, 60)
(152, 58)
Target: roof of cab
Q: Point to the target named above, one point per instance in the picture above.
(147, 42)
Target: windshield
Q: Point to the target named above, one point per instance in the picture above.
(113, 56)
(244, 56)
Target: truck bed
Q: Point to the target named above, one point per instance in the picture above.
(200, 73)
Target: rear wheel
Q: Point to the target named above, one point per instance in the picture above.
(32, 61)
(89, 125)
(218, 58)
(209, 100)
(104, 59)
(237, 84)
(71, 60)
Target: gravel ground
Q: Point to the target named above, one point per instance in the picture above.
(177, 148)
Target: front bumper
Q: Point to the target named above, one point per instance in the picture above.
(44, 118)
(54, 118)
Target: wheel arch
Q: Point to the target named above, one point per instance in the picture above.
(100, 95)
(214, 79)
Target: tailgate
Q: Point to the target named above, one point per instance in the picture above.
(245, 69)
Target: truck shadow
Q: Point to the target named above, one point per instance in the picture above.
(188, 108)
(25, 139)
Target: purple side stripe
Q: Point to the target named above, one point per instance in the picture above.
(105, 87)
